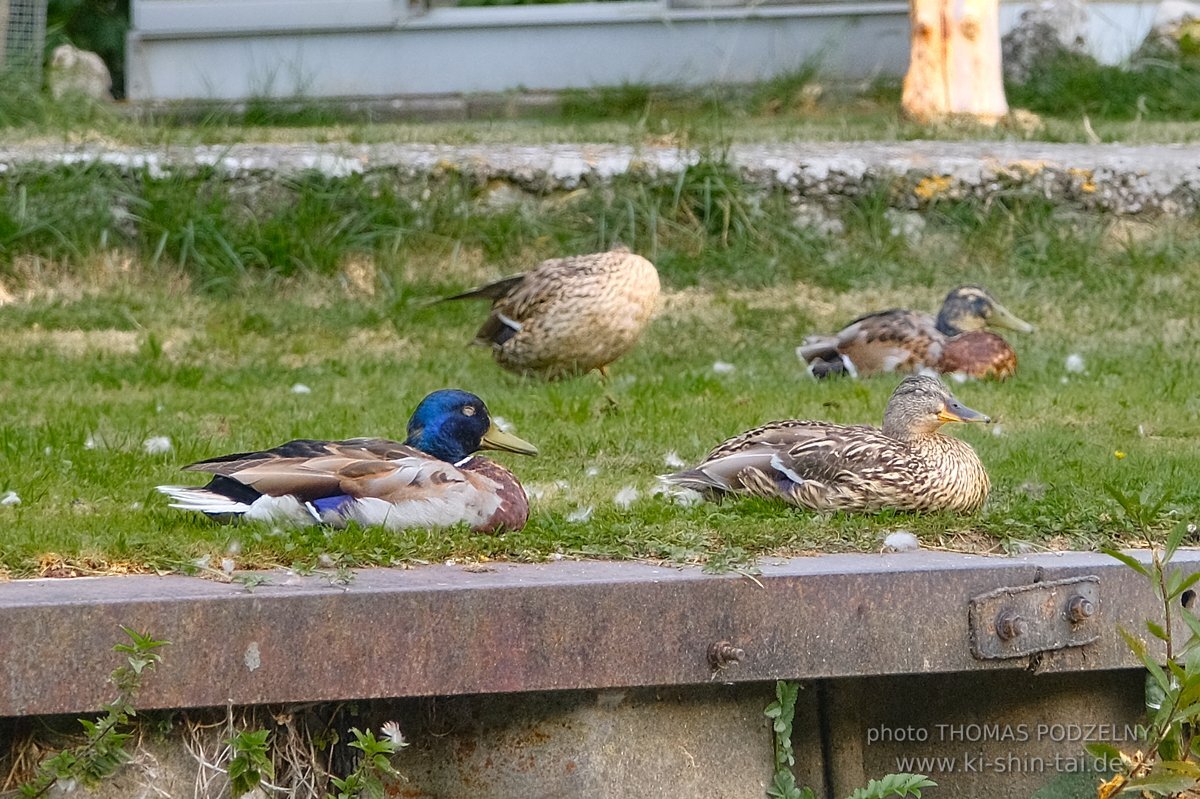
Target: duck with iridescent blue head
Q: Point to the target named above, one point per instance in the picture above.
(433, 479)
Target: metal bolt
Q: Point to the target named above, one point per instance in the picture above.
(1080, 608)
(1009, 625)
(723, 653)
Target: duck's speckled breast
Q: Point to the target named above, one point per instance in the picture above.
(513, 509)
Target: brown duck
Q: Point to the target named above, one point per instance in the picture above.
(908, 465)
(431, 480)
(568, 316)
(900, 340)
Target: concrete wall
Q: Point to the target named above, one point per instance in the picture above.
(230, 50)
(986, 736)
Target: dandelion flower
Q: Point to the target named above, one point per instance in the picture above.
(1119, 455)
(1075, 363)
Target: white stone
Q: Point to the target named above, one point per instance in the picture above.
(78, 72)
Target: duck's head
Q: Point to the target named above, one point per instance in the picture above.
(451, 424)
(920, 405)
(969, 308)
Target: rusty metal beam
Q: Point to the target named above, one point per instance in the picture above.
(444, 630)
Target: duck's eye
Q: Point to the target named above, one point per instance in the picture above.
(468, 410)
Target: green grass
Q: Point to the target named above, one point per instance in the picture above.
(1077, 100)
(179, 308)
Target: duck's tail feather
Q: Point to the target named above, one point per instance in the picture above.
(822, 348)
(492, 291)
(279, 510)
(204, 501)
(694, 480)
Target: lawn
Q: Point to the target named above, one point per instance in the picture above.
(179, 308)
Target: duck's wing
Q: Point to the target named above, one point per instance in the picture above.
(895, 340)
(769, 459)
(979, 353)
(309, 469)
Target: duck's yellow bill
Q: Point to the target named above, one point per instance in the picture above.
(955, 411)
(1002, 317)
(495, 438)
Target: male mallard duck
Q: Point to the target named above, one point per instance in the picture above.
(908, 465)
(568, 315)
(899, 340)
(431, 480)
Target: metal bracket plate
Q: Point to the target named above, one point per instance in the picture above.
(1021, 620)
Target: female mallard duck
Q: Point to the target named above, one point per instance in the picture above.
(899, 340)
(431, 480)
(568, 315)
(908, 465)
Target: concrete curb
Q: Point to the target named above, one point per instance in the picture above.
(1119, 179)
(446, 630)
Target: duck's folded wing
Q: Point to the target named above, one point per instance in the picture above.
(775, 458)
(890, 340)
(310, 469)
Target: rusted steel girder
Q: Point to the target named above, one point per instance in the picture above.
(444, 630)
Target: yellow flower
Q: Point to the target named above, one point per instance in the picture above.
(1119, 455)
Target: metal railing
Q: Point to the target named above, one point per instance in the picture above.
(22, 36)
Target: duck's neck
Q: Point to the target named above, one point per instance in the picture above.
(903, 429)
(946, 324)
(439, 444)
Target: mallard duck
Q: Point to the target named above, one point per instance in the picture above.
(431, 480)
(900, 340)
(568, 315)
(908, 465)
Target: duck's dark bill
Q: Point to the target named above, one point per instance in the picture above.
(495, 438)
(957, 412)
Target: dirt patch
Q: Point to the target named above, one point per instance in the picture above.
(77, 343)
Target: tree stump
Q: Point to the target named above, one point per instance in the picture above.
(954, 68)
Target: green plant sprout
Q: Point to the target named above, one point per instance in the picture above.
(374, 766)
(103, 750)
(1170, 760)
(782, 713)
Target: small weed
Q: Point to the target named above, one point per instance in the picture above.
(1170, 761)
(368, 779)
(251, 763)
(782, 713)
(103, 750)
